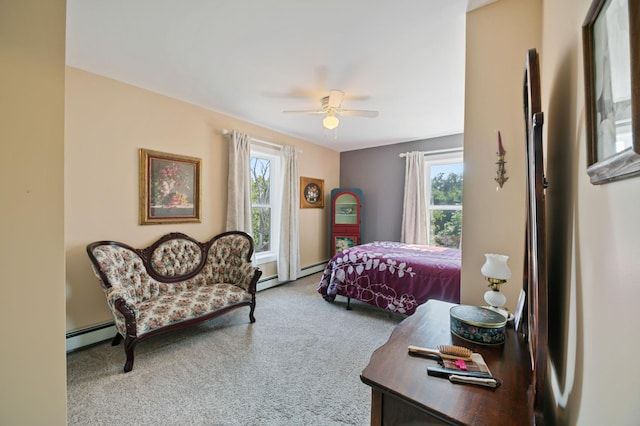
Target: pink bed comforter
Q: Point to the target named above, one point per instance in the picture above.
(394, 276)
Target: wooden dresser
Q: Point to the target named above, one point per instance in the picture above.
(403, 393)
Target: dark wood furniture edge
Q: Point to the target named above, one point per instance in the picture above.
(376, 405)
(535, 283)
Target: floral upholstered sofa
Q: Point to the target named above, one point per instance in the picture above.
(174, 283)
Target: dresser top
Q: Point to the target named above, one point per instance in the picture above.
(392, 370)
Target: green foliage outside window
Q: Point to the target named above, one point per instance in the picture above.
(261, 203)
(446, 223)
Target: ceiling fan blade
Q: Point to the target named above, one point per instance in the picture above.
(335, 99)
(357, 113)
(310, 111)
(356, 97)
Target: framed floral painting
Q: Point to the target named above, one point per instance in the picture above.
(169, 188)
(311, 193)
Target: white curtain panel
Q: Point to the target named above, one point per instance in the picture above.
(239, 185)
(414, 214)
(289, 254)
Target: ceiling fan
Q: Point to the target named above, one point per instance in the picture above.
(331, 108)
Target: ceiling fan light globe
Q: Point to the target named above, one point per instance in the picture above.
(330, 122)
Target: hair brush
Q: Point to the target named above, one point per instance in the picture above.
(444, 352)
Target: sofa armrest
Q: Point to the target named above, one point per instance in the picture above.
(229, 260)
(119, 268)
(124, 311)
(248, 277)
(114, 294)
(125, 317)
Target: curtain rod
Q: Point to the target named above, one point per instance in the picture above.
(438, 151)
(226, 132)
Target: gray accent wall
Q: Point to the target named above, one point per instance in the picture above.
(379, 172)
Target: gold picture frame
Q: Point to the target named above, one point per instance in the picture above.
(169, 188)
(311, 193)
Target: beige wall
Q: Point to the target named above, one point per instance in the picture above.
(498, 37)
(32, 363)
(592, 231)
(106, 123)
(593, 251)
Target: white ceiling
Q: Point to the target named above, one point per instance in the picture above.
(254, 59)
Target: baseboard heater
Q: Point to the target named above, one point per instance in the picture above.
(78, 339)
(272, 280)
(91, 335)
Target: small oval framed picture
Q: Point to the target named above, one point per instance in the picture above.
(311, 193)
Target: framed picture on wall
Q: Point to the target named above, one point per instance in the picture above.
(611, 38)
(311, 193)
(169, 188)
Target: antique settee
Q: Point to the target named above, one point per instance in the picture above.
(176, 282)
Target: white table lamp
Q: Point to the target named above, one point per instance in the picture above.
(497, 272)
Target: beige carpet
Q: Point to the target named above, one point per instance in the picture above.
(298, 364)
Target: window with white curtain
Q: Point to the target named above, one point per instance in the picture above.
(444, 175)
(266, 184)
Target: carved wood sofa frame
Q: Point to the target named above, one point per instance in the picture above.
(174, 283)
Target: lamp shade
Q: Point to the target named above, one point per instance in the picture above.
(330, 122)
(495, 266)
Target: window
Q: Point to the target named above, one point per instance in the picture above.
(265, 202)
(444, 197)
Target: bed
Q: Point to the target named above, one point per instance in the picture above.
(394, 276)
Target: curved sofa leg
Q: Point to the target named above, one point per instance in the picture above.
(251, 317)
(116, 339)
(128, 350)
